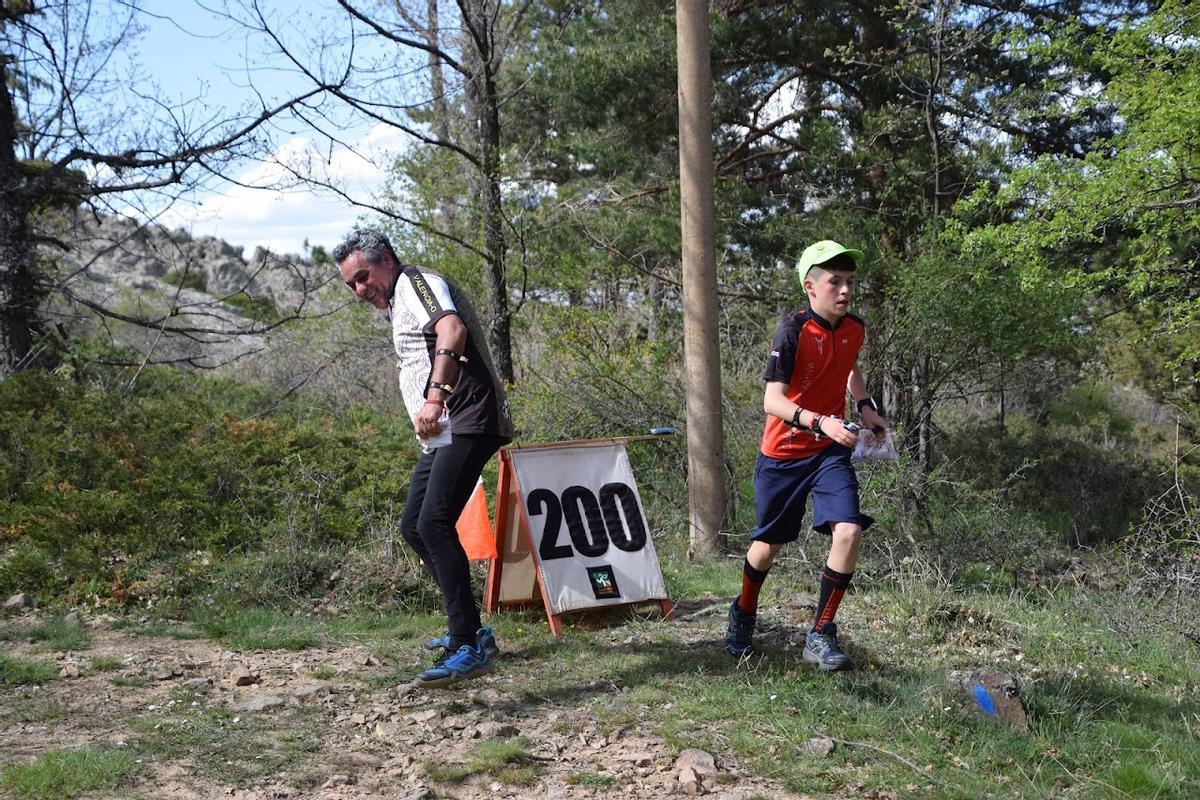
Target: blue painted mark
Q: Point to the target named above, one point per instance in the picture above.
(984, 700)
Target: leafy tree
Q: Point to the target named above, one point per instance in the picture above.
(1121, 222)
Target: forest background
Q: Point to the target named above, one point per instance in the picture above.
(1023, 177)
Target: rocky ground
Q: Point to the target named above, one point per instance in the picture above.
(340, 723)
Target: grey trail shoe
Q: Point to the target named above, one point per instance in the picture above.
(821, 648)
(740, 631)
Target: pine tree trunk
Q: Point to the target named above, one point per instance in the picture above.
(701, 348)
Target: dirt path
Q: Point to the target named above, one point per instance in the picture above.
(333, 723)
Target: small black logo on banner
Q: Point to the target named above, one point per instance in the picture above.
(604, 582)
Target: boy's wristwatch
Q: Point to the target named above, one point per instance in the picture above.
(867, 401)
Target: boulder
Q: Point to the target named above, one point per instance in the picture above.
(19, 601)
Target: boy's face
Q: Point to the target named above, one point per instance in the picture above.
(829, 292)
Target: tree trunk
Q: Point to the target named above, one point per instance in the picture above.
(16, 271)
(701, 348)
(484, 108)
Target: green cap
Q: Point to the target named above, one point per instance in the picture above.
(821, 252)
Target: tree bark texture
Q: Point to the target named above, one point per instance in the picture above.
(16, 273)
(485, 115)
(701, 348)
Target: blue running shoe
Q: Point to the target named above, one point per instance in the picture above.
(821, 648)
(485, 638)
(466, 662)
(740, 631)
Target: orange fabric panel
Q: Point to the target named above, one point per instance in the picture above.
(474, 527)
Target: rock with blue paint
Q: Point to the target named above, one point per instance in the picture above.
(994, 695)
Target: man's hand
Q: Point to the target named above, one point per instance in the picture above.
(873, 420)
(833, 428)
(426, 422)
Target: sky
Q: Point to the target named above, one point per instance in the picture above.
(191, 53)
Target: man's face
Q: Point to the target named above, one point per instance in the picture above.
(371, 282)
(829, 292)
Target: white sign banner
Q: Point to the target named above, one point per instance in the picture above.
(587, 526)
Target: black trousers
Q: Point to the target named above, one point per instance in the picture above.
(442, 483)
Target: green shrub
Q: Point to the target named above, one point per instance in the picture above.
(1086, 482)
(260, 309)
(133, 497)
(185, 279)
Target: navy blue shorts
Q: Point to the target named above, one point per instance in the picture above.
(782, 487)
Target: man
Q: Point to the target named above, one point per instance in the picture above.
(460, 415)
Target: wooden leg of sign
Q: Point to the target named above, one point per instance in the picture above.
(555, 619)
(667, 608)
(491, 592)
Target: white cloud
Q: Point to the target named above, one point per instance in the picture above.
(282, 219)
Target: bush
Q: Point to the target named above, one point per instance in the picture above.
(1086, 480)
(185, 279)
(133, 497)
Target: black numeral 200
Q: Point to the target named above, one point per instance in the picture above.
(615, 518)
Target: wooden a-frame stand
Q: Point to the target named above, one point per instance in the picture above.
(513, 577)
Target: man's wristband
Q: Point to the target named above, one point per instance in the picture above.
(816, 424)
(795, 423)
(867, 401)
(446, 351)
(445, 387)
(430, 402)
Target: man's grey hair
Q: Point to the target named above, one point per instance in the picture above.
(368, 241)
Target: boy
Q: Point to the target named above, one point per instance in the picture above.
(806, 449)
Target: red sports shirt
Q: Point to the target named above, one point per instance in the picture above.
(814, 359)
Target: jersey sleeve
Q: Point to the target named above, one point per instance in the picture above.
(783, 355)
(426, 295)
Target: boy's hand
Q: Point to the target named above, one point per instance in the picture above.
(833, 428)
(873, 420)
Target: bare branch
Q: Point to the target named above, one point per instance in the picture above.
(446, 58)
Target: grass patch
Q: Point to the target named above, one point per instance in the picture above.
(260, 628)
(129, 681)
(591, 780)
(157, 628)
(40, 708)
(1110, 716)
(25, 671)
(506, 760)
(104, 664)
(68, 773)
(232, 751)
(53, 634)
